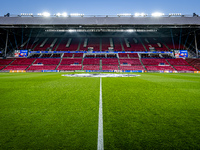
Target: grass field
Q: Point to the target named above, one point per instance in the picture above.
(49, 111)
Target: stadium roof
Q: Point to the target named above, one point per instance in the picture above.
(100, 21)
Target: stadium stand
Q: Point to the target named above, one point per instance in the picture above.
(154, 61)
(45, 44)
(68, 55)
(22, 61)
(138, 67)
(46, 56)
(194, 62)
(113, 67)
(42, 67)
(56, 55)
(47, 61)
(35, 56)
(1, 67)
(184, 68)
(133, 55)
(172, 44)
(21, 67)
(91, 67)
(69, 67)
(105, 44)
(90, 42)
(132, 44)
(91, 61)
(152, 44)
(70, 61)
(123, 55)
(78, 55)
(117, 44)
(178, 61)
(130, 62)
(68, 45)
(109, 61)
(5, 61)
(159, 68)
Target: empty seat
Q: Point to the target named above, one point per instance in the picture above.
(69, 67)
(91, 67)
(110, 61)
(110, 67)
(21, 67)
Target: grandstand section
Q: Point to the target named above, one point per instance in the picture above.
(85, 43)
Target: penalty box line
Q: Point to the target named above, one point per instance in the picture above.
(100, 143)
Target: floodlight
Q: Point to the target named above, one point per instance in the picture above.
(58, 14)
(137, 14)
(175, 14)
(143, 14)
(130, 30)
(46, 14)
(76, 14)
(64, 14)
(140, 14)
(157, 14)
(71, 30)
(125, 14)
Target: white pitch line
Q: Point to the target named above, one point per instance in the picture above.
(100, 145)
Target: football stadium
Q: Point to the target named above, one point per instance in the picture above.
(75, 81)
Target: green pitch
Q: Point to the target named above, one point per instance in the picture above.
(48, 111)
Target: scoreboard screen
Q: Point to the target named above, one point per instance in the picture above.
(181, 53)
(21, 53)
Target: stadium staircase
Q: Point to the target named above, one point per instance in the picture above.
(31, 64)
(143, 45)
(100, 64)
(165, 45)
(36, 44)
(82, 63)
(79, 45)
(118, 62)
(8, 64)
(194, 63)
(100, 47)
(59, 63)
(121, 43)
(142, 64)
(171, 65)
(58, 45)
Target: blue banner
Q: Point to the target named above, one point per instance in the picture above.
(50, 70)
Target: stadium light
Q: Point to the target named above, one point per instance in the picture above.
(46, 14)
(76, 14)
(157, 14)
(140, 14)
(61, 15)
(125, 14)
(58, 14)
(175, 14)
(26, 14)
(64, 14)
(130, 30)
(71, 30)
